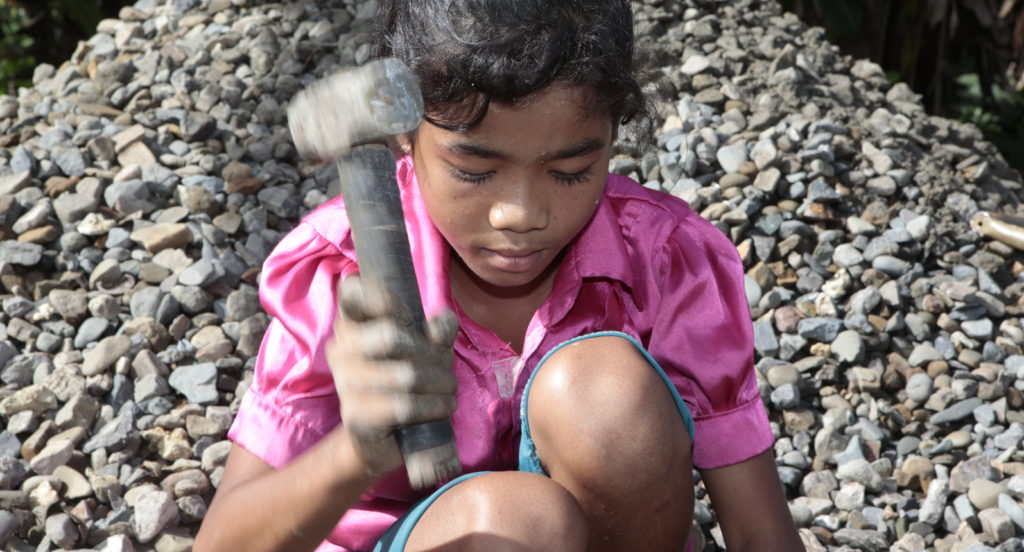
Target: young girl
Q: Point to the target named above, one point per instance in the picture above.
(603, 345)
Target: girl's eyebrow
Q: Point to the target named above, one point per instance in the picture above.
(576, 150)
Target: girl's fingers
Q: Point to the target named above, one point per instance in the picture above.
(443, 328)
(391, 410)
(384, 339)
(361, 300)
(396, 377)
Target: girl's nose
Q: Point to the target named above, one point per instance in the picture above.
(519, 210)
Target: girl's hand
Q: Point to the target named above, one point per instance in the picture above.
(385, 374)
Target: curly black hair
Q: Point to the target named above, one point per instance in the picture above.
(468, 53)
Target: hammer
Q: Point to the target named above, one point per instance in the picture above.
(348, 117)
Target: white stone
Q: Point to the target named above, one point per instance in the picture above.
(695, 64)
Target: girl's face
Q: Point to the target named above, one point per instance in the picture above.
(513, 191)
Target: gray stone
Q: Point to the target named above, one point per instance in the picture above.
(201, 273)
(125, 192)
(978, 329)
(861, 539)
(62, 531)
(996, 525)
(958, 411)
(12, 183)
(112, 435)
(145, 302)
(923, 353)
(823, 329)
(7, 352)
(196, 126)
(279, 202)
(25, 254)
(9, 444)
(150, 386)
(72, 305)
(846, 255)
(198, 382)
(821, 192)
(1013, 509)
(765, 155)
(70, 160)
(105, 354)
(153, 510)
(893, 266)
(786, 396)
(242, 303)
(8, 524)
(850, 497)
(852, 452)
(919, 387)
(192, 299)
(1012, 437)
(57, 452)
(848, 347)
(91, 330)
(765, 341)
(935, 502)
(730, 157)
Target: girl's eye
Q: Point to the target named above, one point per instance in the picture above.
(567, 179)
(573, 178)
(472, 178)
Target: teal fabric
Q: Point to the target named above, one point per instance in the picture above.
(397, 535)
(395, 538)
(528, 459)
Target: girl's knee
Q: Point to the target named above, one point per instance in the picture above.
(503, 511)
(602, 393)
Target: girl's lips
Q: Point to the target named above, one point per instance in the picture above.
(508, 260)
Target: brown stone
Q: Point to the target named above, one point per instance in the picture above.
(786, 319)
(56, 185)
(162, 236)
(916, 473)
(137, 154)
(153, 331)
(128, 137)
(41, 235)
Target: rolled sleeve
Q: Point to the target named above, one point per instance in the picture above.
(703, 337)
(291, 403)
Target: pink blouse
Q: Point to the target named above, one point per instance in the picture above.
(646, 265)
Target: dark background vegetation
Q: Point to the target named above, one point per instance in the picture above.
(966, 57)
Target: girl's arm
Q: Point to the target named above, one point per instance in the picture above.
(258, 508)
(751, 506)
(386, 376)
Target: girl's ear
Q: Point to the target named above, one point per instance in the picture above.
(403, 143)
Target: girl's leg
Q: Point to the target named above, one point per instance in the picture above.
(608, 429)
(499, 512)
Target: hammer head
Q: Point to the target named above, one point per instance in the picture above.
(357, 106)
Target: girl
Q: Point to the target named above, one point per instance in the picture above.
(603, 345)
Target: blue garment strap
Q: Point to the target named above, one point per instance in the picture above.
(528, 459)
(395, 538)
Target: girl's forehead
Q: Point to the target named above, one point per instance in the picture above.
(570, 102)
(557, 113)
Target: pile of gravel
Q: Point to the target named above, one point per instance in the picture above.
(143, 182)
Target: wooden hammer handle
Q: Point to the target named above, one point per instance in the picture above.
(374, 207)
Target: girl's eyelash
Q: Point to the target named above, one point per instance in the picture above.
(574, 178)
(472, 178)
(480, 178)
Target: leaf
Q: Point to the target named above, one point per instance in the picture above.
(843, 17)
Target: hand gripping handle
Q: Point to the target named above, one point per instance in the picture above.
(374, 207)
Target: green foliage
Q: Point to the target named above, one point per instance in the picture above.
(842, 17)
(15, 59)
(998, 114)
